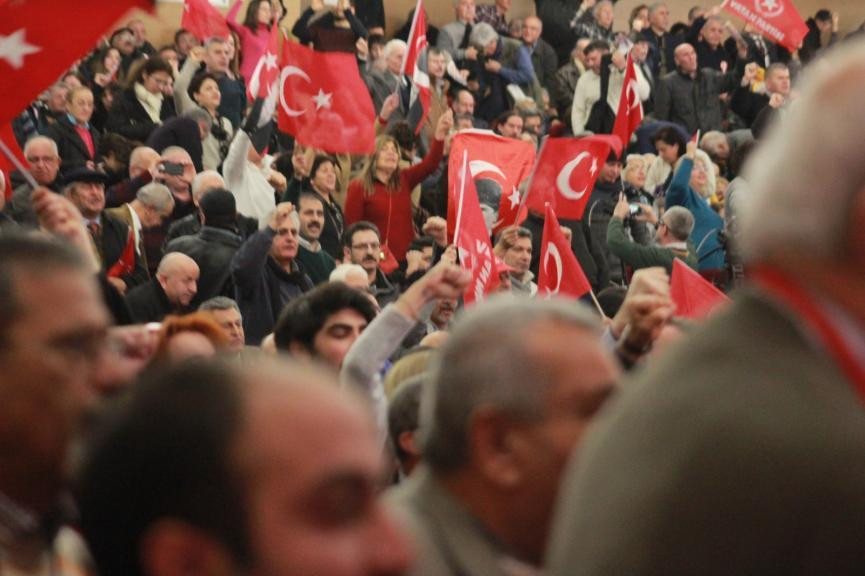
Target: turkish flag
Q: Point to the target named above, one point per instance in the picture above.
(692, 294)
(499, 165)
(7, 135)
(472, 240)
(778, 20)
(323, 102)
(630, 112)
(263, 80)
(415, 64)
(559, 272)
(203, 20)
(565, 175)
(40, 39)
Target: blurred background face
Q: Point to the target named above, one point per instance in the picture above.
(324, 179)
(231, 323)
(466, 10)
(660, 18)
(686, 58)
(181, 283)
(394, 59)
(216, 58)
(311, 212)
(698, 175)
(436, 65)
(43, 162)
(388, 157)
(669, 153)
(593, 61)
(519, 256)
(89, 198)
(284, 247)
(635, 173)
(208, 95)
(713, 32)
(111, 60)
(265, 13)
(778, 82)
(80, 106)
(531, 30)
(156, 82)
(605, 16)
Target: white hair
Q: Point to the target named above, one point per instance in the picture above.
(393, 45)
(709, 166)
(204, 181)
(41, 140)
(341, 272)
(805, 175)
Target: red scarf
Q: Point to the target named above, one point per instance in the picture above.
(785, 289)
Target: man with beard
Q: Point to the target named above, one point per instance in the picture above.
(315, 262)
(442, 314)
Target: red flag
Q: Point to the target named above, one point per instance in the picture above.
(565, 175)
(777, 19)
(263, 80)
(503, 163)
(126, 263)
(472, 240)
(559, 272)
(693, 295)
(7, 135)
(203, 20)
(39, 39)
(630, 112)
(415, 64)
(323, 101)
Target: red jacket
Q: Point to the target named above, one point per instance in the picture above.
(391, 211)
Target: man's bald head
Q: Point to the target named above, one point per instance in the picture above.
(142, 160)
(178, 275)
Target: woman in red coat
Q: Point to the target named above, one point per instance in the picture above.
(382, 194)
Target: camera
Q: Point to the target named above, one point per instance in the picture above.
(172, 168)
(633, 209)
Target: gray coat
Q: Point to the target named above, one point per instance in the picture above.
(693, 102)
(742, 451)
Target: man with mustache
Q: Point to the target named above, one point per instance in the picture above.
(317, 263)
(362, 245)
(442, 314)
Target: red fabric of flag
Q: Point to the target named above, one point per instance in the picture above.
(778, 20)
(266, 73)
(504, 163)
(203, 20)
(692, 294)
(414, 64)
(323, 102)
(630, 112)
(40, 39)
(565, 175)
(559, 272)
(6, 166)
(472, 240)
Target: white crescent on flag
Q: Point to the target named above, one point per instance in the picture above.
(563, 180)
(287, 72)
(552, 250)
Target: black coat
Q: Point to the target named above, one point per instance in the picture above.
(212, 249)
(148, 303)
(128, 117)
(71, 148)
(190, 225)
(179, 131)
(111, 245)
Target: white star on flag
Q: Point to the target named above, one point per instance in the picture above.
(594, 167)
(14, 48)
(770, 4)
(269, 60)
(514, 198)
(322, 100)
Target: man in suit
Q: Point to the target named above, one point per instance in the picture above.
(170, 292)
(111, 237)
(499, 418)
(153, 204)
(544, 60)
(743, 450)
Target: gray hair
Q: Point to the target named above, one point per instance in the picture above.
(41, 140)
(214, 40)
(156, 196)
(201, 181)
(341, 272)
(176, 150)
(655, 7)
(600, 5)
(679, 221)
(805, 176)
(485, 363)
(482, 34)
(711, 140)
(393, 45)
(403, 410)
(219, 303)
(200, 115)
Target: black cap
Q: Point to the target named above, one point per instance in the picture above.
(85, 175)
(218, 205)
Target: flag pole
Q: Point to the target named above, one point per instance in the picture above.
(18, 166)
(418, 7)
(598, 304)
(464, 170)
(525, 195)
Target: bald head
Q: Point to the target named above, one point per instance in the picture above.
(142, 160)
(205, 182)
(178, 275)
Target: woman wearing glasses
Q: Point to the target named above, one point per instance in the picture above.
(139, 109)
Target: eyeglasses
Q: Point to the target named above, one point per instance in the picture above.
(374, 246)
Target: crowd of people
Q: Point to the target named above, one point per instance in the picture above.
(222, 351)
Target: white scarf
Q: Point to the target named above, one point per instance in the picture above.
(152, 102)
